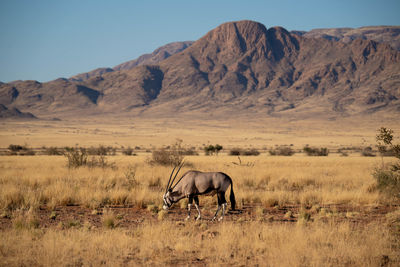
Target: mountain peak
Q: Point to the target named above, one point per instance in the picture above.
(237, 35)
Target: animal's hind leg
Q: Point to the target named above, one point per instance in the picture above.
(189, 207)
(196, 204)
(224, 204)
(219, 206)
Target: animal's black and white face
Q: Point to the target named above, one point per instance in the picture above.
(167, 200)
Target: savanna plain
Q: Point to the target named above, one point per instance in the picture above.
(293, 210)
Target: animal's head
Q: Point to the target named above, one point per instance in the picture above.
(168, 198)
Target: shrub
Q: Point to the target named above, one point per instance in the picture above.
(388, 177)
(282, 151)
(235, 152)
(76, 157)
(172, 155)
(101, 162)
(244, 152)
(128, 151)
(211, 150)
(20, 150)
(52, 151)
(15, 148)
(388, 181)
(367, 152)
(100, 150)
(313, 151)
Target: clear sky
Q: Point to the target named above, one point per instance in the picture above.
(46, 39)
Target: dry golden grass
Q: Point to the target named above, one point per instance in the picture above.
(31, 181)
(168, 243)
(27, 182)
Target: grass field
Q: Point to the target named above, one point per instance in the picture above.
(292, 211)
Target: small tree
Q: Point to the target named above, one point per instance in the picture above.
(218, 148)
(211, 150)
(388, 179)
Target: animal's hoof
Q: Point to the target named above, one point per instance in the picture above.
(187, 218)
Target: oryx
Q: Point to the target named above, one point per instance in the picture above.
(195, 183)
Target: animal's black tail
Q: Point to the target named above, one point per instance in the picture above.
(232, 197)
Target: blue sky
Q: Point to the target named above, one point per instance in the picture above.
(46, 39)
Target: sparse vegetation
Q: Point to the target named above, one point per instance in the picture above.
(20, 150)
(211, 150)
(76, 157)
(367, 152)
(171, 155)
(282, 151)
(128, 151)
(314, 151)
(244, 152)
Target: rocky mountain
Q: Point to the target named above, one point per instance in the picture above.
(156, 56)
(380, 34)
(239, 68)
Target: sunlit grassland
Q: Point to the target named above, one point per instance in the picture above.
(45, 180)
(169, 243)
(28, 183)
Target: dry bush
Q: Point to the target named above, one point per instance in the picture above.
(282, 151)
(20, 150)
(52, 151)
(367, 152)
(128, 151)
(171, 155)
(244, 152)
(76, 157)
(314, 151)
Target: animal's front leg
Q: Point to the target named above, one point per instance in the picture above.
(189, 207)
(196, 204)
(215, 215)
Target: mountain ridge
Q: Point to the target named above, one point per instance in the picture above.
(240, 67)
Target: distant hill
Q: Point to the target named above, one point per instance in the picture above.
(237, 69)
(380, 34)
(156, 56)
(14, 113)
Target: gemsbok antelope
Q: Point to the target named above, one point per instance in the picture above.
(195, 183)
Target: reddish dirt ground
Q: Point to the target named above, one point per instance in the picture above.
(126, 216)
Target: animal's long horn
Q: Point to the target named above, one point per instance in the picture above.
(166, 189)
(177, 173)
